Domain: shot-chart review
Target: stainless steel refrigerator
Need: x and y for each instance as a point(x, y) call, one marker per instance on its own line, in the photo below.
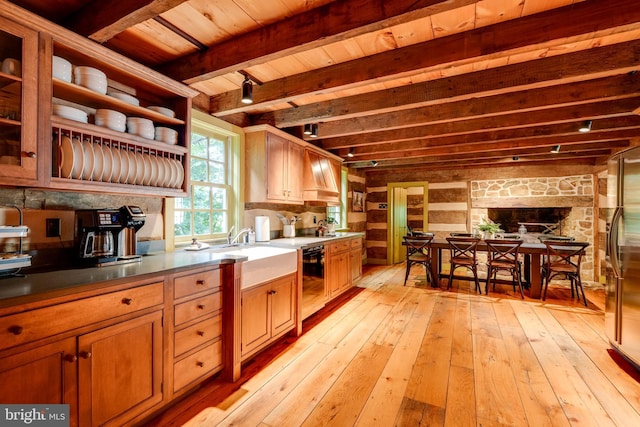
point(622, 304)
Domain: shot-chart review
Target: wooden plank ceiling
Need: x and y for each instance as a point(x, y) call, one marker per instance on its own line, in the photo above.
point(404, 83)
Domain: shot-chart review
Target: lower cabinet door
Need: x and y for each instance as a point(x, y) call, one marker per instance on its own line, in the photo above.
point(282, 305)
point(44, 375)
point(256, 318)
point(120, 371)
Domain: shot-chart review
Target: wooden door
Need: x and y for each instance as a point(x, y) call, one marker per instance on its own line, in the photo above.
point(276, 167)
point(120, 371)
point(282, 295)
point(46, 374)
point(256, 318)
point(295, 165)
point(398, 227)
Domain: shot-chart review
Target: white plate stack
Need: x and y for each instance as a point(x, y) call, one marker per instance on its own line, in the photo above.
point(70, 113)
point(111, 119)
point(61, 69)
point(91, 78)
point(140, 127)
point(167, 135)
point(129, 99)
point(163, 110)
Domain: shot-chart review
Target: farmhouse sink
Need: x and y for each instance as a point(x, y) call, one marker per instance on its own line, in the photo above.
point(264, 263)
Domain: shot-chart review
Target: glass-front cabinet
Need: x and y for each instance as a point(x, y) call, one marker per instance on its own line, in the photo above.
point(18, 104)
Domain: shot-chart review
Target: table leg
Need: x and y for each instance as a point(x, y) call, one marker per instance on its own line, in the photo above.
point(435, 264)
point(535, 276)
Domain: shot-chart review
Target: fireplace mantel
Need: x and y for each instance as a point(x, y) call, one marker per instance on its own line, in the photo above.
point(532, 202)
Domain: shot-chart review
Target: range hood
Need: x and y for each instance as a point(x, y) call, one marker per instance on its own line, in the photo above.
point(321, 178)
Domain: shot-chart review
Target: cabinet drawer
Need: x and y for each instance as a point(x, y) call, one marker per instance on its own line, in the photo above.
point(43, 322)
point(356, 243)
point(338, 247)
point(197, 307)
point(197, 365)
point(198, 334)
point(198, 282)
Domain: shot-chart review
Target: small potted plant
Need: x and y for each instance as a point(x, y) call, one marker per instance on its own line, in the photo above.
point(489, 228)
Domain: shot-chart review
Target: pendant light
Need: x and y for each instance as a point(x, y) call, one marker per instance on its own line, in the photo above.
point(555, 149)
point(586, 126)
point(247, 91)
point(307, 129)
point(314, 130)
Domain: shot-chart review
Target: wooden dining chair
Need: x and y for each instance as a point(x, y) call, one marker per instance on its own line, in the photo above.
point(463, 252)
point(419, 252)
point(502, 254)
point(564, 259)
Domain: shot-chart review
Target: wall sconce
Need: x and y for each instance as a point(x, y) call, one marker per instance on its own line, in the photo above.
point(314, 130)
point(351, 153)
point(247, 91)
point(586, 126)
point(374, 163)
point(555, 149)
point(307, 129)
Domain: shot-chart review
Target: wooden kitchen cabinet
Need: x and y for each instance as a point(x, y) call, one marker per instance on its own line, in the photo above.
point(267, 312)
point(43, 375)
point(337, 270)
point(274, 166)
point(107, 363)
point(355, 261)
point(19, 105)
point(120, 371)
point(197, 329)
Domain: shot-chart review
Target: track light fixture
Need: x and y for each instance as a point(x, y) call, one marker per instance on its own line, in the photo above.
point(307, 129)
point(374, 163)
point(351, 153)
point(555, 149)
point(314, 130)
point(515, 158)
point(247, 90)
point(586, 126)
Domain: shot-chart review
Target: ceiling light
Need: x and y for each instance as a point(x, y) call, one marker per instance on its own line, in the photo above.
point(307, 129)
point(351, 153)
point(514, 158)
point(555, 149)
point(374, 163)
point(314, 130)
point(247, 91)
point(586, 126)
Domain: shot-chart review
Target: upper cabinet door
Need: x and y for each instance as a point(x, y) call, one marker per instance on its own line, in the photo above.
point(18, 104)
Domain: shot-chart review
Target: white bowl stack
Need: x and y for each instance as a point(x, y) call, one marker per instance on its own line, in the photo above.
point(70, 113)
point(129, 99)
point(140, 127)
point(91, 78)
point(168, 135)
point(61, 69)
point(163, 110)
point(111, 119)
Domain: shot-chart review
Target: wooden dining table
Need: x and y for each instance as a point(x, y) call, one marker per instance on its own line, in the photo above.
point(532, 261)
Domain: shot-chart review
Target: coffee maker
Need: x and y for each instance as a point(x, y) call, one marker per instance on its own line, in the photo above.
point(108, 236)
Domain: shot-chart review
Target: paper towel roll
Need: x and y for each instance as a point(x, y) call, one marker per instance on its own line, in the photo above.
point(263, 229)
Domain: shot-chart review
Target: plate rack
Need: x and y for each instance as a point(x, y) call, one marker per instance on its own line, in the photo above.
point(11, 263)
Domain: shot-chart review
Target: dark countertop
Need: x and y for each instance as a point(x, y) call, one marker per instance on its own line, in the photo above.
point(40, 286)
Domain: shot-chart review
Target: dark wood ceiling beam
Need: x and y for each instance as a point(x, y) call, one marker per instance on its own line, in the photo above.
point(317, 27)
point(102, 20)
point(595, 63)
point(580, 93)
point(450, 146)
point(494, 135)
point(544, 30)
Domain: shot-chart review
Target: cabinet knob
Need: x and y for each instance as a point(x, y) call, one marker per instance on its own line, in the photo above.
point(200, 364)
point(16, 330)
point(272, 292)
point(71, 358)
point(200, 306)
point(29, 154)
point(200, 333)
point(201, 282)
point(85, 354)
point(127, 301)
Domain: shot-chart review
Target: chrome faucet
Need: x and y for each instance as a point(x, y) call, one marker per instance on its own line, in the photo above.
point(240, 233)
point(230, 233)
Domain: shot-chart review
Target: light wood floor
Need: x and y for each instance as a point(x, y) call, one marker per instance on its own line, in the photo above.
point(408, 356)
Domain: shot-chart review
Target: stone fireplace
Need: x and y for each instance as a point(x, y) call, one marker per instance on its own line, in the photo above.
point(566, 201)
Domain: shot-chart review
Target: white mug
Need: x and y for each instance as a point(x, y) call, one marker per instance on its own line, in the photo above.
point(12, 66)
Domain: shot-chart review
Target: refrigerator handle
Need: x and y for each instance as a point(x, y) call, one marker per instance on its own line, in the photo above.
point(612, 242)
